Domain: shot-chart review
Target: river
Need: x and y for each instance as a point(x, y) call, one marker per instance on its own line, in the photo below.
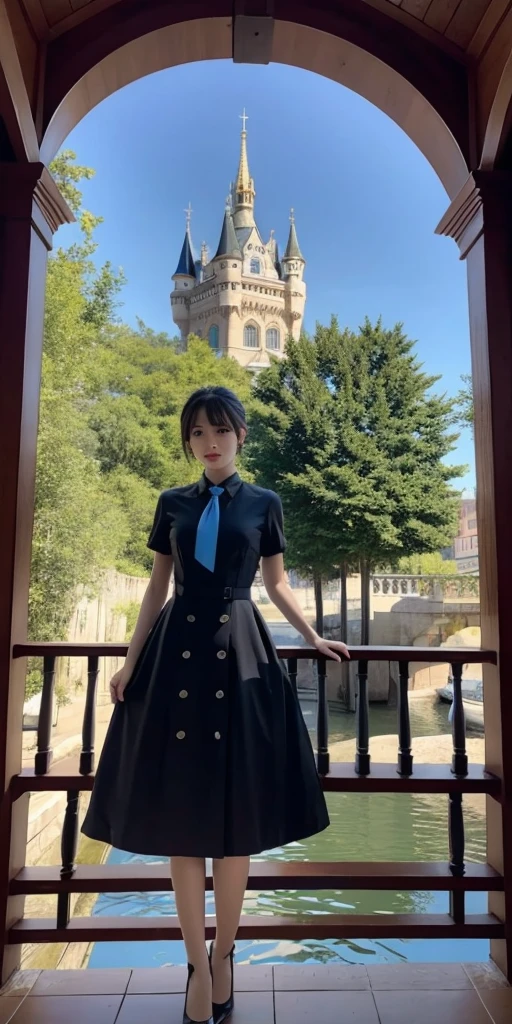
point(363, 827)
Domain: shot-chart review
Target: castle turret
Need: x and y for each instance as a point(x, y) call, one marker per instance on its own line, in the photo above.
point(185, 278)
point(243, 193)
point(293, 264)
point(228, 273)
point(228, 242)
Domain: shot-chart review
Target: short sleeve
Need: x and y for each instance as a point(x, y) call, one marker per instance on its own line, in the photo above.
point(159, 539)
point(272, 537)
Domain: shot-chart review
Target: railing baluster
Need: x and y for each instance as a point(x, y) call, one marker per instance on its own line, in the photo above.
point(404, 723)
point(68, 846)
point(457, 866)
point(460, 758)
point(292, 672)
point(44, 755)
point(362, 721)
point(322, 720)
point(88, 728)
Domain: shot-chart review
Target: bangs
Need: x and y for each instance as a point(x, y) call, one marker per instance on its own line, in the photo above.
point(217, 412)
point(221, 406)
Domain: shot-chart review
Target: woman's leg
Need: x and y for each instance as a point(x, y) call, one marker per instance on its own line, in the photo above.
point(188, 879)
point(229, 882)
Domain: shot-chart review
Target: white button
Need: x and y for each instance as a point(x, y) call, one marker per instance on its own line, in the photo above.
point(217, 735)
point(186, 654)
point(191, 618)
point(219, 694)
point(180, 735)
point(221, 655)
point(224, 618)
point(183, 693)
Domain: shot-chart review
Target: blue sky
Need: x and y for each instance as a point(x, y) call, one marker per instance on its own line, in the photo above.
point(366, 201)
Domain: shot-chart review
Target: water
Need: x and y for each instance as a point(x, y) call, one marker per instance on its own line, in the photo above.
point(363, 827)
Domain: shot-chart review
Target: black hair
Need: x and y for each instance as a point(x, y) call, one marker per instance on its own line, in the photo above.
point(222, 408)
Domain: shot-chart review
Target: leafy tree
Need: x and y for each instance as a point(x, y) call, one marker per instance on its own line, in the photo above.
point(427, 564)
point(359, 461)
point(137, 499)
point(393, 435)
point(77, 527)
point(135, 420)
point(465, 402)
point(292, 443)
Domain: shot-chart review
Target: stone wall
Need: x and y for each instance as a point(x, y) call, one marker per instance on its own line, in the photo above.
point(101, 619)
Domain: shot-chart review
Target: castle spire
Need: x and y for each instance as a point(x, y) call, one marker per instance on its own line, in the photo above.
point(228, 242)
point(292, 250)
point(186, 263)
point(244, 185)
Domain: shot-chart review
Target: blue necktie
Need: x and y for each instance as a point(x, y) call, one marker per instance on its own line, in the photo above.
point(207, 531)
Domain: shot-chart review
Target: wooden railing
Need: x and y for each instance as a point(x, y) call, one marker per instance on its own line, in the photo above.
point(73, 775)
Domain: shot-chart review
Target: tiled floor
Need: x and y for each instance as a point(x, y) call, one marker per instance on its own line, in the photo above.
point(344, 994)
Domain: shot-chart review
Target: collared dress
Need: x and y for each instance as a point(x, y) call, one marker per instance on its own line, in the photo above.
point(209, 755)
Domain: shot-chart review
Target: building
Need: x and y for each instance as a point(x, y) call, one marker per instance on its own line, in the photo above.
point(466, 542)
point(246, 300)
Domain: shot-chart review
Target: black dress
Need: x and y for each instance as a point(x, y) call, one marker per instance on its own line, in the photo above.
point(209, 755)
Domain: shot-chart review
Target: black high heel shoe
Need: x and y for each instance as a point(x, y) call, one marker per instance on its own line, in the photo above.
point(186, 1018)
point(221, 1011)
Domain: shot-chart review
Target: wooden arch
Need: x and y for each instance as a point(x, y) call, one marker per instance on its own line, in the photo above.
point(423, 99)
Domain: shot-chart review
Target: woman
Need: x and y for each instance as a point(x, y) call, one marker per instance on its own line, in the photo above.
point(207, 753)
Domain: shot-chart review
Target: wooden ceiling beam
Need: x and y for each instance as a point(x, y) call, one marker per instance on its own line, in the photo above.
point(488, 27)
point(403, 17)
point(494, 93)
point(90, 10)
point(16, 111)
point(36, 16)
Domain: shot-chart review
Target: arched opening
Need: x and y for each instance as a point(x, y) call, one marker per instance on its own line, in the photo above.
point(213, 336)
point(251, 336)
point(273, 338)
point(108, 68)
point(430, 112)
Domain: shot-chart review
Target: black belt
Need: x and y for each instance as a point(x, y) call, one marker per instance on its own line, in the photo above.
point(221, 593)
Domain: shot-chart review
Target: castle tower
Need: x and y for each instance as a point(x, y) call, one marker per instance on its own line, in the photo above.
point(244, 194)
point(295, 289)
point(245, 300)
point(185, 278)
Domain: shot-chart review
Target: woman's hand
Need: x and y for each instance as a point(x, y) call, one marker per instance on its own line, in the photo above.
point(118, 684)
point(332, 649)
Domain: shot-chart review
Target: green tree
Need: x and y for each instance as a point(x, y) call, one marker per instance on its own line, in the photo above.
point(395, 432)
point(361, 466)
point(135, 420)
point(427, 564)
point(465, 403)
point(292, 443)
point(77, 527)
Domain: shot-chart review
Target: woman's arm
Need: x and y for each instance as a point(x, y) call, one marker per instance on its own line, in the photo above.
point(281, 594)
point(151, 606)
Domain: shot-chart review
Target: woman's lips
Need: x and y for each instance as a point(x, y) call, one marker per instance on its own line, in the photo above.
point(212, 457)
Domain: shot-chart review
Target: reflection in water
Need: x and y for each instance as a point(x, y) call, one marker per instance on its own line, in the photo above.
point(363, 827)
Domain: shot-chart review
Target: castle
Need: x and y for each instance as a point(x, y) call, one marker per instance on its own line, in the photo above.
point(247, 299)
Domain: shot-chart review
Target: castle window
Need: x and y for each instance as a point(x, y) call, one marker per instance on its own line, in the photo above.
point(250, 336)
point(272, 339)
point(255, 266)
point(213, 336)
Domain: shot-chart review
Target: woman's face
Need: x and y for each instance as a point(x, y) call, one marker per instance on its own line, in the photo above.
point(214, 447)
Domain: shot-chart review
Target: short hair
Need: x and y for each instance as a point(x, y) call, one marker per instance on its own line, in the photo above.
point(222, 407)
